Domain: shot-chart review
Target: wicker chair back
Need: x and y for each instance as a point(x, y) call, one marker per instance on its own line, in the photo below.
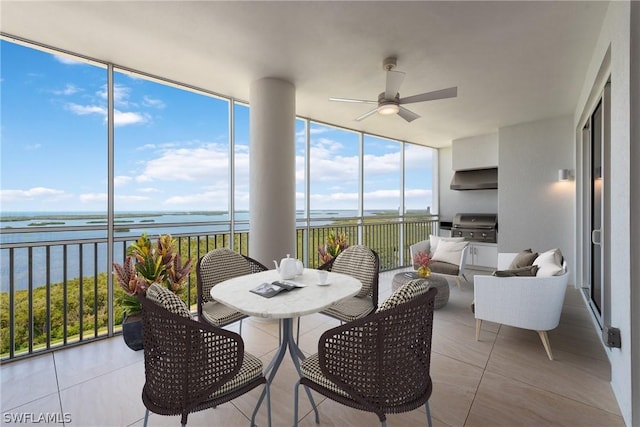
point(188, 363)
point(219, 265)
point(380, 363)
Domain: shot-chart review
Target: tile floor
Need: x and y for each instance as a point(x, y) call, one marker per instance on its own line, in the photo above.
point(505, 379)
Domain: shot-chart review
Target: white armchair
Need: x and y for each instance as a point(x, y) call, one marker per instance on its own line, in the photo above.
point(524, 302)
point(440, 267)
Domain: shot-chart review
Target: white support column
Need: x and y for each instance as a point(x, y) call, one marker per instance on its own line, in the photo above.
point(272, 203)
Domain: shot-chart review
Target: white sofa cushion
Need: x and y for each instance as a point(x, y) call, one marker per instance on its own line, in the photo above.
point(449, 251)
point(549, 263)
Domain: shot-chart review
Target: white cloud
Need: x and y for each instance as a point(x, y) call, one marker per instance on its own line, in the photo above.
point(323, 147)
point(121, 180)
point(334, 197)
point(67, 60)
point(32, 147)
point(120, 199)
point(30, 194)
point(149, 190)
point(119, 118)
point(93, 197)
point(203, 164)
point(120, 94)
point(83, 110)
point(381, 164)
point(317, 130)
point(314, 130)
point(155, 103)
point(69, 89)
point(122, 119)
point(146, 147)
point(417, 193)
point(382, 195)
point(216, 200)
point(330, 168)
point(417, 157)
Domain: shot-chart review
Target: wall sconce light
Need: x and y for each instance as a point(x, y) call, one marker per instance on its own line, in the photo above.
point(564, 174)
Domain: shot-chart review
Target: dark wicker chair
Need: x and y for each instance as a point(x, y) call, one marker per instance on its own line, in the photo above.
point(217, 266)
point(190, 366)
point(362, 263)
point(379, 363)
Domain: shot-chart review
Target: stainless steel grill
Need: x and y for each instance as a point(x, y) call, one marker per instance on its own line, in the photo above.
point(476, 227)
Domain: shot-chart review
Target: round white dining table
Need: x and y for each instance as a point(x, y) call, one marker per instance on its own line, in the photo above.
point(311, 298)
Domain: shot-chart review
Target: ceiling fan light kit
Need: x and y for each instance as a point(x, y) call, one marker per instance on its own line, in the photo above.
point(389, 101)
point(388, 109)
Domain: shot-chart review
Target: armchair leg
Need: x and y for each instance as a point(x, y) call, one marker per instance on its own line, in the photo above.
point(146, 418)
point(545, 342)
point(428, 413)
point(478, 324)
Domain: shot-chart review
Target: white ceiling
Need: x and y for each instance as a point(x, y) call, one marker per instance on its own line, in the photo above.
point(513, 62)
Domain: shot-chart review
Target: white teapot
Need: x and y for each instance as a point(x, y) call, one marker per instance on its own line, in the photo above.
point(288, 267)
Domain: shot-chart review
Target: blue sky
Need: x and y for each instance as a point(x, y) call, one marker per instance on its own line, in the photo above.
point(171, 146)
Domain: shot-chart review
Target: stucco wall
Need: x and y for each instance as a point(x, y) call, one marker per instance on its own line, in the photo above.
point(535, 209)
point(611, 56)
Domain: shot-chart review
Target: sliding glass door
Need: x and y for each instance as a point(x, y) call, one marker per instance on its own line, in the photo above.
point(595, 137)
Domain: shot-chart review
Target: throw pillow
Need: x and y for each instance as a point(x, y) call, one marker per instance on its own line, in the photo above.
point(167, 299)
point(549, 263)
point(530, 270)
point(405, 293)
point(434, 240)
point(448, 251)
point(523, 259)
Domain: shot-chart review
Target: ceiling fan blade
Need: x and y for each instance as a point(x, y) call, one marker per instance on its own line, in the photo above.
point(367, 114)
point(361, 101)
point(407, 114)
point(394, 80)
point(451, 92)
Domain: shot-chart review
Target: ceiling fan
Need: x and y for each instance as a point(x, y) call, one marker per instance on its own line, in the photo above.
point(389, 101)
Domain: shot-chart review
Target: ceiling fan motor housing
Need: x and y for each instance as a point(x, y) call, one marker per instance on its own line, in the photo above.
point(389, 63)
point(388, 106)
point(383, 100)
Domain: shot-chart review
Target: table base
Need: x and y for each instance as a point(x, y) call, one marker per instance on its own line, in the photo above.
point(288, 343)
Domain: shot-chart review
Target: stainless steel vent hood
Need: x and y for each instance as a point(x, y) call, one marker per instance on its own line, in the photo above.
point(476, 179)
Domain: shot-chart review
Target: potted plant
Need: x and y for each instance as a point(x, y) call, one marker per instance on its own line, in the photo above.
point(333, 246)
point(145, 264)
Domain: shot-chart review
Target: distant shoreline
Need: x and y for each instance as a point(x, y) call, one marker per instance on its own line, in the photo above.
point(11, 217)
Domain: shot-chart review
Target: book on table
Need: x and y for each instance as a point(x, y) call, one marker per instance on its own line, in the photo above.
point(268, 290)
